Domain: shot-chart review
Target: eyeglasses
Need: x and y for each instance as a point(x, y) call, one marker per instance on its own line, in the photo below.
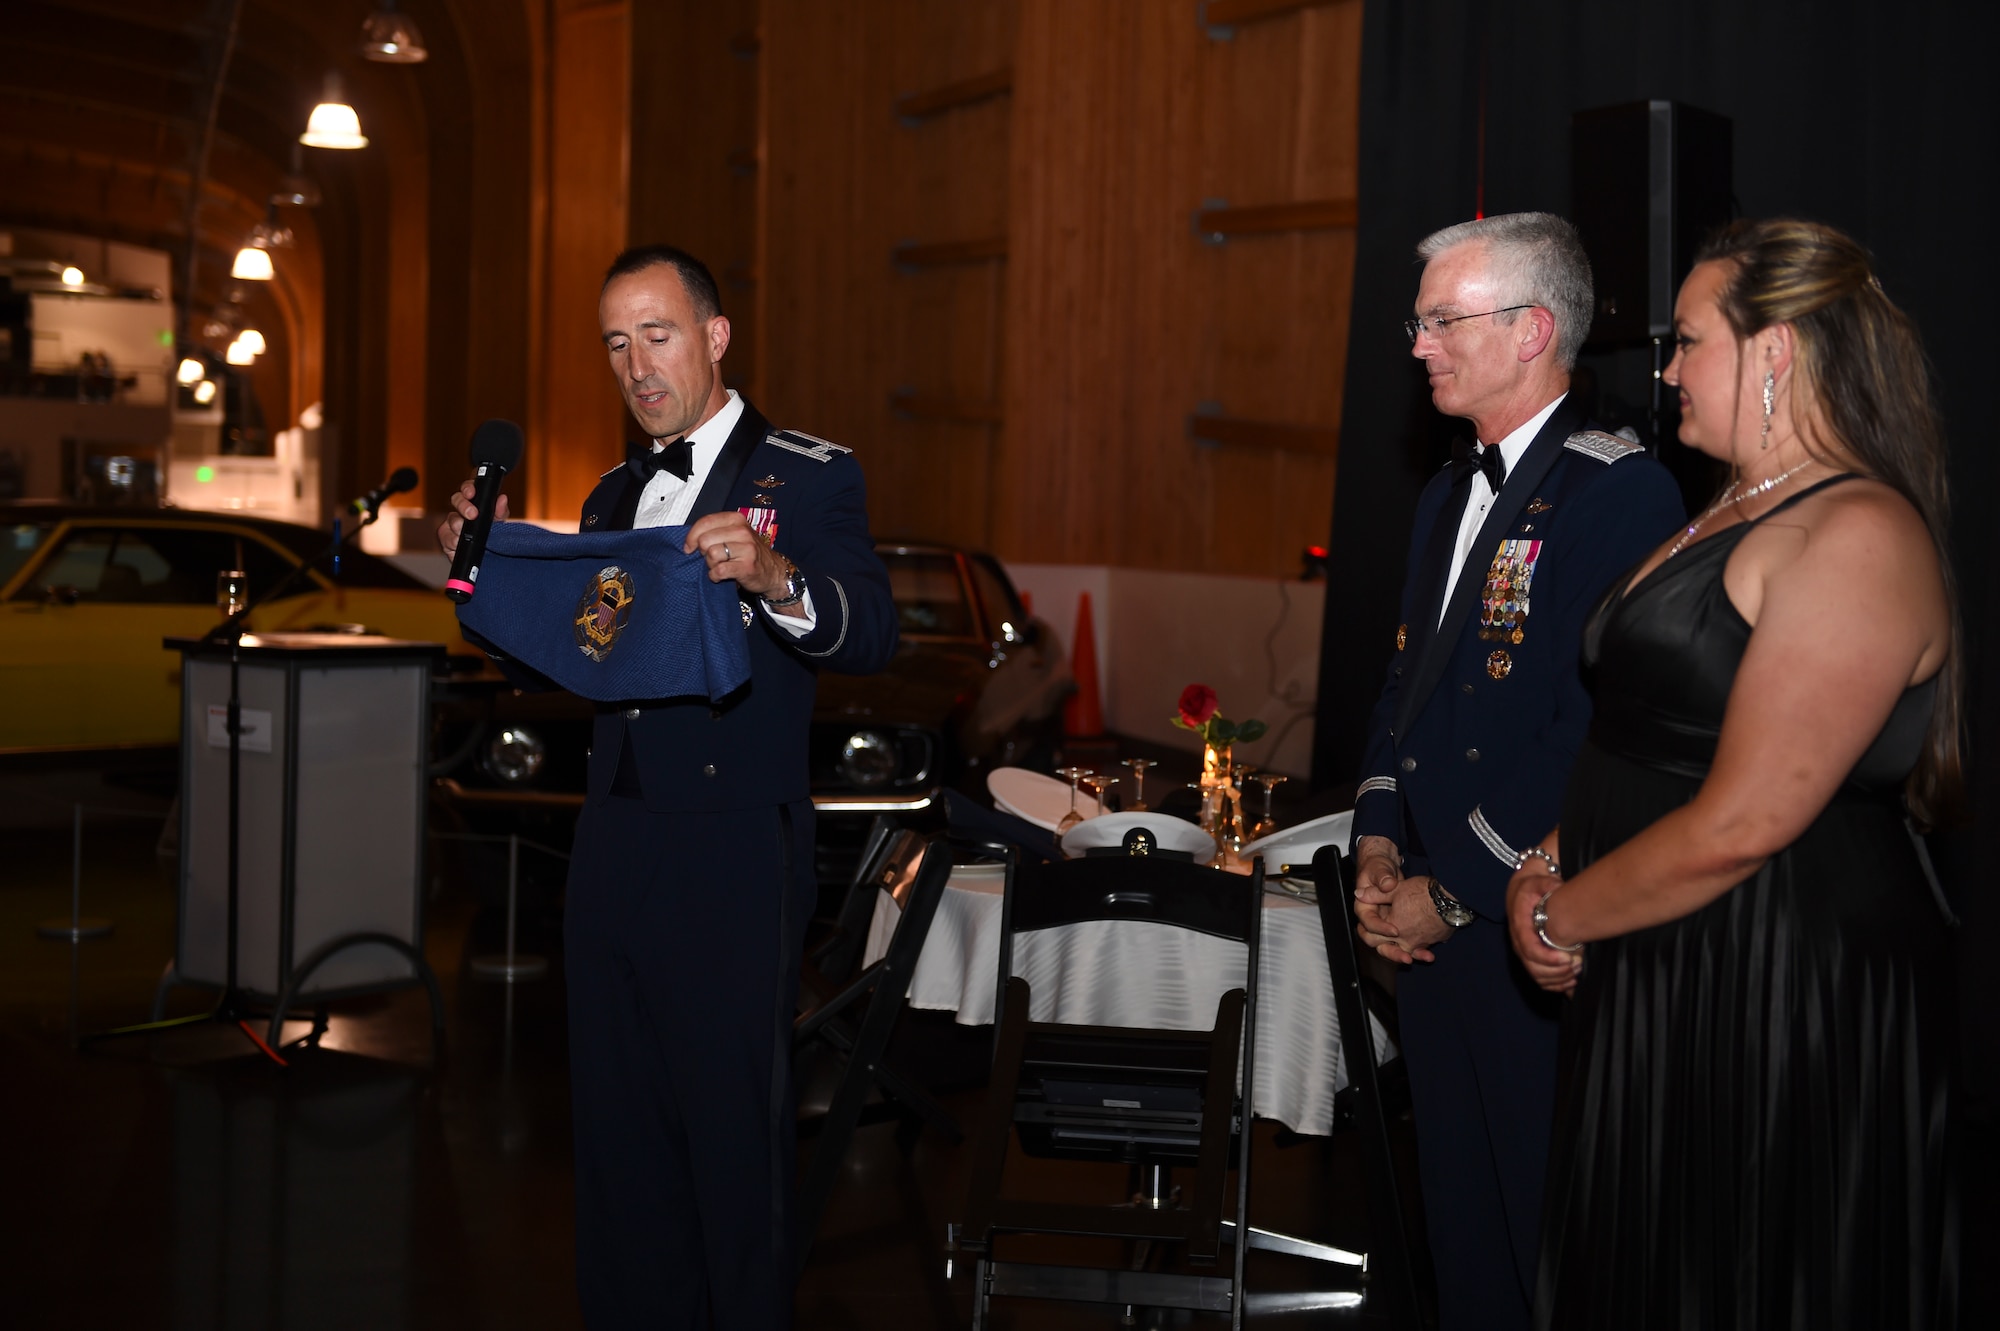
point(1437, 323)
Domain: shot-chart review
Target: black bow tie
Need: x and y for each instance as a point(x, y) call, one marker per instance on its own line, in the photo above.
point(677, 457)
point(1487, 461)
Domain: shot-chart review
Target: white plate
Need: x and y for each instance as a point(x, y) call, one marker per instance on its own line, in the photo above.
point(1110, 829)
point(1042, 800)
point(1295, 845)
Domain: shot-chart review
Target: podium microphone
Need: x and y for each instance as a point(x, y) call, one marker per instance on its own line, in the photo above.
point(496, 450)
point(403, 479)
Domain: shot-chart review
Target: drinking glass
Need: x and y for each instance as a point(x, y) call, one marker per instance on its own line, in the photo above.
point(1138, 766)
point(1074, 775)
point(1267, 824)
point(1098, 784)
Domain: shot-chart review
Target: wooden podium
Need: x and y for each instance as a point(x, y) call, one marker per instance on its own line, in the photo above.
point(334, 778)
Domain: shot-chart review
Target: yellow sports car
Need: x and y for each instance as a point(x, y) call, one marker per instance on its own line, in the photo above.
point(87, 595)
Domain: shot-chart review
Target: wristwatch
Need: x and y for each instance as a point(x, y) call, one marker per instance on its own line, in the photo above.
point(1449, 909)
point(795, 588)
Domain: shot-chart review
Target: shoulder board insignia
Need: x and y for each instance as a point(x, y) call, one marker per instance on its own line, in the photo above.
point(819, 450)
point(1604, 447)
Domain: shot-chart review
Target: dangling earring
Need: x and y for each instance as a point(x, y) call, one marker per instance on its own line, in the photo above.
point(1770, 401)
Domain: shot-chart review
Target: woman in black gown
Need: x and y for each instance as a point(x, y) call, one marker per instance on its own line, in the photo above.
point(1752, 1121)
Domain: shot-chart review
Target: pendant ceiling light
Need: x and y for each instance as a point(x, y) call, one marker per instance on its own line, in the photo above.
point(392, 37)
point(191, 371)
point(333, 123)
point(239, 353)
point(252, 265)
point(252, 339)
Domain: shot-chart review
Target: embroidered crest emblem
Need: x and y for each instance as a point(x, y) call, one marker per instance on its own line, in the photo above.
point(1503, 604)
point(602, 611)
point(1402, 636)
point(1499, 665)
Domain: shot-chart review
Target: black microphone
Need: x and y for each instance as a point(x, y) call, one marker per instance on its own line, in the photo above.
point(404, 479)
point(496, 450)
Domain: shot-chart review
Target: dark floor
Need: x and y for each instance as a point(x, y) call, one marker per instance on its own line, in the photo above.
point(181, 1180)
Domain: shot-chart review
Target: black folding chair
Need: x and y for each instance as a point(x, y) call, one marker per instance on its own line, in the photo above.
point(1391, 1276)
point(858, 1031)
point(889, 856)
point(1150, 1098)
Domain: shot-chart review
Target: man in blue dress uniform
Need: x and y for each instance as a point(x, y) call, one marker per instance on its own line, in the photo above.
point(691, 880)
point(1479, 720)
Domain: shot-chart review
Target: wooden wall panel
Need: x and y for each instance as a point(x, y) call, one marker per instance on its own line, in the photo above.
point(696, 153)
point(844, 329)
point(579, 422)
point(1121, 321)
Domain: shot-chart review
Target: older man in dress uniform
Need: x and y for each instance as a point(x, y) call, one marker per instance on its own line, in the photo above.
point(691, 881)
point(1479, 721)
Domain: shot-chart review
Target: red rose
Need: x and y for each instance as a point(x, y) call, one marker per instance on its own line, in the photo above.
point(1198, 703)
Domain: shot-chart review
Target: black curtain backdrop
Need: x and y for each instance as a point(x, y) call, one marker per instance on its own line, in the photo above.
point(1878, 117)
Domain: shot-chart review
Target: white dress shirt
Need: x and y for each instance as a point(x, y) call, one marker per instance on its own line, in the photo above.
point(667, 499)
point(1512, 449)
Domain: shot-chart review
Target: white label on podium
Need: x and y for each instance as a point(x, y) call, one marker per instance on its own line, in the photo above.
point(256, 728)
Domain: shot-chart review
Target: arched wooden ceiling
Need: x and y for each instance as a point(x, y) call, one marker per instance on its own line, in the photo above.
point(101, 108)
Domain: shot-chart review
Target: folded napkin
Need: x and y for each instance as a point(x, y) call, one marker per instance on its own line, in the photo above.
point(611, 616)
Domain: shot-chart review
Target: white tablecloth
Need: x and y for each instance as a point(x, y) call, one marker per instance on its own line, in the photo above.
point(1143, 974)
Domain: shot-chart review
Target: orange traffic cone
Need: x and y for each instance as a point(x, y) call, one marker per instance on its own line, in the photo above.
point(1083, 715)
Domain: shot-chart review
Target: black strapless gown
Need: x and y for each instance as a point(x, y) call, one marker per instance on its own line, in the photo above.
point(1752, 1115)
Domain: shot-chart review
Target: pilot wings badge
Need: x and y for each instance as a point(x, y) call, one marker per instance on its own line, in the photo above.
point(602, 611)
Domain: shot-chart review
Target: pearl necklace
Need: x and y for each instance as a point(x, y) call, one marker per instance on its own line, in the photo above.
point(1729, 497)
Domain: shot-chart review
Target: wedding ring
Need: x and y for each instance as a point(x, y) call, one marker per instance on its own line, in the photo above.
point(725, 552)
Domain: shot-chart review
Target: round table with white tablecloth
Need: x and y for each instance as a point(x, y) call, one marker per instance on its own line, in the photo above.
point(1138, 973)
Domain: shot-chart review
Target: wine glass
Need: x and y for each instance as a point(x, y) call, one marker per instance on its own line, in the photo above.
point(1098, 783)
point(1267, 824)
point(1074, 775)
point(1138, 766)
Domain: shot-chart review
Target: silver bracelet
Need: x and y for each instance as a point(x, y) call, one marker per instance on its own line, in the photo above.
point(1541, 920)
point(1521, 860)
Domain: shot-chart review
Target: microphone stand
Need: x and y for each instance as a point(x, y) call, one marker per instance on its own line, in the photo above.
point(231, 1008)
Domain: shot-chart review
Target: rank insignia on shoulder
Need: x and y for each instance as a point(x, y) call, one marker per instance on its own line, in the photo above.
point(1402, 636)
point(1499, 665)
point(603, 611)
point(806, 445)
point(1604, 447)
point(1539, 505)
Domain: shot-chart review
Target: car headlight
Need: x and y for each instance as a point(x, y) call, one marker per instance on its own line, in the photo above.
point(869, 759)
point(515, 754)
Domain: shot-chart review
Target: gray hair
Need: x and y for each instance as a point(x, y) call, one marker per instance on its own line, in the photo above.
point(1535, 259)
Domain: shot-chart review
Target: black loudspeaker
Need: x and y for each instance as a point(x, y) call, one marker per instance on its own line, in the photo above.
point(1648, 180)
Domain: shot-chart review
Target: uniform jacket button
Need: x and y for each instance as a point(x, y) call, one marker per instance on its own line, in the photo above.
point(708, 770)
point(631, 714)
point(1472, 755)
point(1409, 764)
